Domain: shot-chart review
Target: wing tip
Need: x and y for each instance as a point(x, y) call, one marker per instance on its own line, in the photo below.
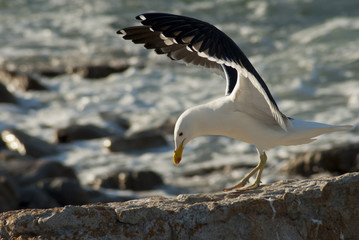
point(141, 17)
point(121, 31)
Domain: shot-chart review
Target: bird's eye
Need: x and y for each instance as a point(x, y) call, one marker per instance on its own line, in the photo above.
point(180, 134)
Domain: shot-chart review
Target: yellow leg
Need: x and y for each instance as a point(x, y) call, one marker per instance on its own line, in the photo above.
point(244, 181)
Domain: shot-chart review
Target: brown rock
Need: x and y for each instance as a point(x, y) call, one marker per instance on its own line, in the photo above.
point(137, 141)
point(326, 208)
point(338, 160)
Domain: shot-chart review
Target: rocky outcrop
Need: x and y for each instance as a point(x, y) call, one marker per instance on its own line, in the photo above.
point(326, 208)
point(337, 160)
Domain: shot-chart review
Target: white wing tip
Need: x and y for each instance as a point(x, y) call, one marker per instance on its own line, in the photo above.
point(142, 17)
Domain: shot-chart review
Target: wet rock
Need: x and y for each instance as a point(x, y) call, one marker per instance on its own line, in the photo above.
point(41, 170)
point(325, 208)
point(20, 80)
point(338, 160)
point(51, 72)
point(136, 142)
point(6, 96)
point(34, 197)
point(104, 197)
point(97, 71)
point(7, 155)
point(9, 193)
point(25, 144)
point(133, 180)
point(30, 172)
point(81, 132)
point(66, 191)
point(168, 125)
point(115, 118)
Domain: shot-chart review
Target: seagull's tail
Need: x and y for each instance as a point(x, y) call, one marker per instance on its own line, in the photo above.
point(302, 132)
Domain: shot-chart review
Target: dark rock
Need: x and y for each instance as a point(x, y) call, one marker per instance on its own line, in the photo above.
point(9, 193)
point(81, 132)
point(20, 80)
point(137, 141)
point(321, 209)
point(66, 191)
point(30, 172)
point(98, 71)
point(51, 71)
point(7, 155)
point(168, 125)
point(34, 197)
point(6, 96)
point(25, 144)
point(338, 160)
point(134, 180)
point(103, 197)
point(116, 119)
point(141, 180)
point(41, 170)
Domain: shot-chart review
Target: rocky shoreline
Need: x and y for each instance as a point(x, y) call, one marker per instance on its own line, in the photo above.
point(28, 181)
point(323, 208)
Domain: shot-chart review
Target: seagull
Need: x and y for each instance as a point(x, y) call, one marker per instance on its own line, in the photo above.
point(247, 112)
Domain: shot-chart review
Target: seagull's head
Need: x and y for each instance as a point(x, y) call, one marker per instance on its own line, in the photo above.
point(187, 128)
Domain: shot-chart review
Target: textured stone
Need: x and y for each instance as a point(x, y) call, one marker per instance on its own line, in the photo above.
point(326, 208)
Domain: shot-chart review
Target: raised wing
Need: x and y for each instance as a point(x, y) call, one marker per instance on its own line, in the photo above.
point(200, 43)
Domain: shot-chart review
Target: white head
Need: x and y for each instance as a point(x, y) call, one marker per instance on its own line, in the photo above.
point(188, 127)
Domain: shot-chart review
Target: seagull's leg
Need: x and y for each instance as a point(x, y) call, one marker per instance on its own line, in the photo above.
point(244, 181)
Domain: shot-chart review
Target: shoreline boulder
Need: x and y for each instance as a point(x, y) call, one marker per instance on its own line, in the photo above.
point(324, 208)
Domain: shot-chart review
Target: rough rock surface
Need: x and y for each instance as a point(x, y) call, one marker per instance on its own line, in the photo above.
point(326, 208)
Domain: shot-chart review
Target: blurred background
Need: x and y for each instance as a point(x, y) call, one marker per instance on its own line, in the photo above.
point(86, 116)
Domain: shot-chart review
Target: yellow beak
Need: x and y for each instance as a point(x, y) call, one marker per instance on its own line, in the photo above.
point(178, 154)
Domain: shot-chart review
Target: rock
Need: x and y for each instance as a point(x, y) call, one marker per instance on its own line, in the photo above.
point(7, 155)
point(42, 170)
point(31, 172)
point(168, 125)
point(34, 197)
point(9, 193)
point(6, 96)
point(326, 208)
point(97, 71)
point(337, 160)
point(138, 141)
point(81, 132)
point(25, 144)
point(115, 118)
point(66, 191)
point(134, 180)
point(21, 80)
point(104, 197)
